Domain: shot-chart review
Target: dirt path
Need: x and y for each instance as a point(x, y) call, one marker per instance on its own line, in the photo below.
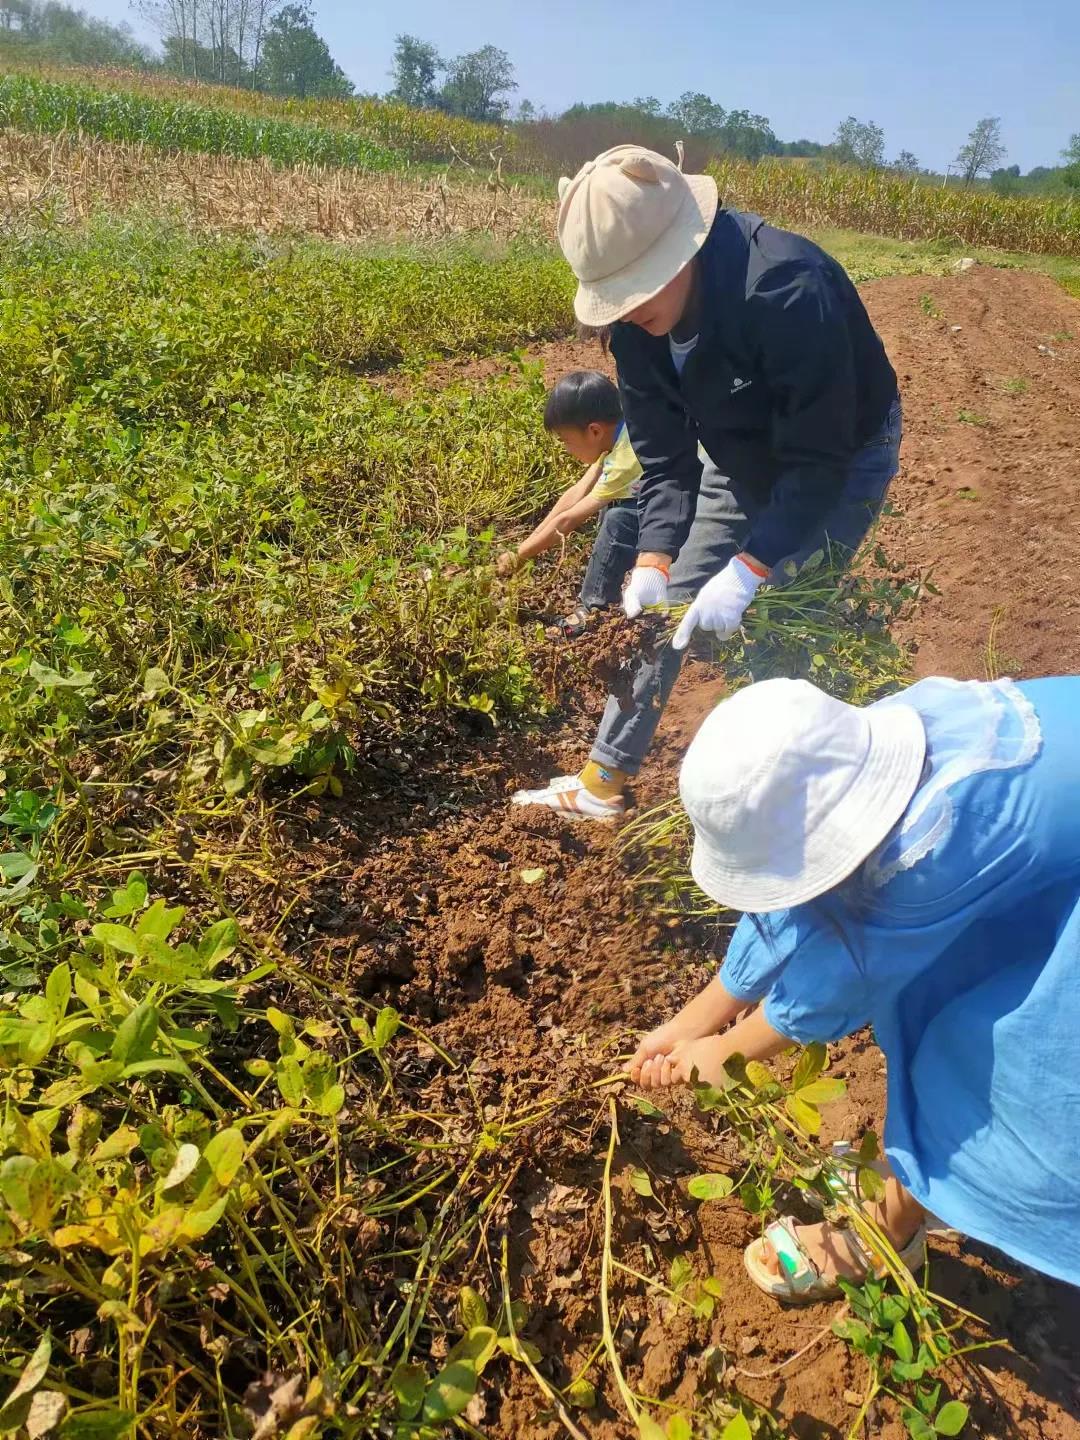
point(540, 982)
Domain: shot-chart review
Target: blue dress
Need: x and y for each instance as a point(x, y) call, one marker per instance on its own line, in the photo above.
point(963, 952)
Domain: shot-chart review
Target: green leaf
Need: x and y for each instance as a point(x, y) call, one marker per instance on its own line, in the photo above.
point(900, 1343)
point(640, 1183)
point(17, 1404)
point(823, 1092)
point(236, 771)
point(332, 1101)
point(759, 1075)
point(868, 1148)
point(581, 1394)
point(118, 937)
point(648, 1429)
point(805, 1116)
point(155, 1065)
point(136, 1034)
point(225, 1154)
point(408, 1382)
point(951, 1418)
point(105, 1424)
point(121, 1142)
point(387, 1023)
point(737, 1428)
point(154, 681)
point(919, 1428)
point(853, 1331)
point(58, 990)
point(472, 1308)
point(159, 921)
point(197, 1223)
point(533, 877)
point(290, 1082)
point(871, 1184)
point(450, 1392)
point(710, 1186)
point(901, 1370)
point(218, 942)
point(475, 1349)
point(126, 901)
point(678, 1427)
point(809, 1066)
point(682, 1272)
point(712, 1286)
point(645, 1107)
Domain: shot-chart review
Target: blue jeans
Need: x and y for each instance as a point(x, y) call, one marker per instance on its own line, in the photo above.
point(613, 554)
point(722, 524)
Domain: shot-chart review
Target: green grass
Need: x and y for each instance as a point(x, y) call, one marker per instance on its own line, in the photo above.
point(873, 257)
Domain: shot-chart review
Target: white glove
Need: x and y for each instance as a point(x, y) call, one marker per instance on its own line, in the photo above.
point(720, 603)
point(647, 586)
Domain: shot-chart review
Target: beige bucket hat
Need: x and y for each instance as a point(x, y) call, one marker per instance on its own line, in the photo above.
point(628, 222)
point(790, 790)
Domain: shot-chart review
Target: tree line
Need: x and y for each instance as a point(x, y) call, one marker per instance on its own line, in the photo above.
point(267, 45)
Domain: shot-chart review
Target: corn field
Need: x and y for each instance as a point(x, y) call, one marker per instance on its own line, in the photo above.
point(53, 108)
point(887, 204)
point(67, 179)
point(414, 135)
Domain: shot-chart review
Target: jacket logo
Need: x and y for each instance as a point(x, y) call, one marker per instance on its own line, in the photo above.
point(740, 385)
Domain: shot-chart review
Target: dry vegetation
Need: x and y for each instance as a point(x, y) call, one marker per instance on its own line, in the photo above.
point(65, 178)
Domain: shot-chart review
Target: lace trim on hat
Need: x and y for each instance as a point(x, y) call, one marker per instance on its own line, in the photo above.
point(996, 728)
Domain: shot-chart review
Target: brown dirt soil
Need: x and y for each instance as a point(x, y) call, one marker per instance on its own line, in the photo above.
point(524, 947)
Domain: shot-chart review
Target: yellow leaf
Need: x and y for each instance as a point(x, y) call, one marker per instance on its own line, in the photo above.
point(533, 877)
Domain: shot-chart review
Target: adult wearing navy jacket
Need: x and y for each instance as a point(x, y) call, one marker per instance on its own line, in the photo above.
point(752, 344)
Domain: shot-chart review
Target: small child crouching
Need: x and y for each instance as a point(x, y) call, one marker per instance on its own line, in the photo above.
point(583, 409)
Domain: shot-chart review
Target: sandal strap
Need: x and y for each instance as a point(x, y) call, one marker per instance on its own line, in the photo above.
point(783, 1236)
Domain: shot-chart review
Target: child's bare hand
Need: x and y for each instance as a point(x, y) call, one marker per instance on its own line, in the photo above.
point(506, 564)
point(657, 1042)
point(677, 1065)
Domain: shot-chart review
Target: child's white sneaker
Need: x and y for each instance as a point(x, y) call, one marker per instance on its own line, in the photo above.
point(567, 796)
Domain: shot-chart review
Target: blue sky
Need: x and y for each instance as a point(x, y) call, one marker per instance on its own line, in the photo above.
point(925, 70)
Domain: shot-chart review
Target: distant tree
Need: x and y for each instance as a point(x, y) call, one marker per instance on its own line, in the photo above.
point(526, 113)
point(416, 63)
point(297, 60)
point(906, 162)
point(859, 142)
point(1071, 156)
point(647, 104)
point(750, 136)
point(984, 150)
point(478, 84)
point(1007, 181)
point(58, 32)
point(697, 114)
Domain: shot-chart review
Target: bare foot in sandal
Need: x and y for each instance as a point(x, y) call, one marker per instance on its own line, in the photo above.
point(815, 1257)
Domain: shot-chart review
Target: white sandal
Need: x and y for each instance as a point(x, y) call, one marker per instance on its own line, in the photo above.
point(800, 1282)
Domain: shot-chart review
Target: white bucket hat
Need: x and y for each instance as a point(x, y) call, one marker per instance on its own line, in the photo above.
point(789, 790)
point(629, 221)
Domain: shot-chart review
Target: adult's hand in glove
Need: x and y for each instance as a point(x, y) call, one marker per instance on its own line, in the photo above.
point(646, 587)
point(720, 603)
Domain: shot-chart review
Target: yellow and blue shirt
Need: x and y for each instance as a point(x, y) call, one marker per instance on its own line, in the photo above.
point(620, 477)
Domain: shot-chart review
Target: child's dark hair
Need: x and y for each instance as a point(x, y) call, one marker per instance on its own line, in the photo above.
point(584, 397)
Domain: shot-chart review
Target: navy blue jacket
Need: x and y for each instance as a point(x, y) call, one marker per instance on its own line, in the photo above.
point(787, 381)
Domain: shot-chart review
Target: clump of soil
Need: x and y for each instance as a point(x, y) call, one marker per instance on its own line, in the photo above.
point(604, 659)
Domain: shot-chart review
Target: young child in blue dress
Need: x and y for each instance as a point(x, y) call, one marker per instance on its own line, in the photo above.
point(914, 866)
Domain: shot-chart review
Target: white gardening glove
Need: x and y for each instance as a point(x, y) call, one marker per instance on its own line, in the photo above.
point(720, 603)
point(647, 586)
